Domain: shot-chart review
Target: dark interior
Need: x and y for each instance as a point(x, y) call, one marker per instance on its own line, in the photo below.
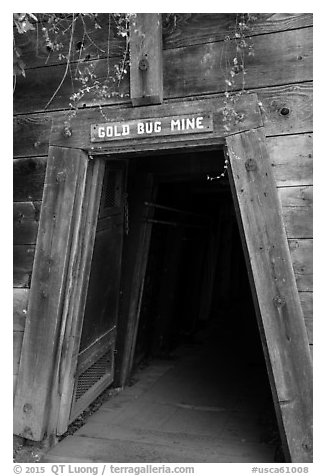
point(197, 291)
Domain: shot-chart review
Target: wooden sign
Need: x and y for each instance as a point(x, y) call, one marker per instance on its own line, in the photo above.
point(160, 126)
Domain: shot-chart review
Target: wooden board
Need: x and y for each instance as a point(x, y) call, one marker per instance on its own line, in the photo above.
point(134, 262)
point(20, 299)
point(40, 350)
point(35, 128)
point(280, 58)
point(301, 254)
point(28, 179)
point(33, 92)
point(23, 258)
point(246, 106)
point(198, 28)
point(291, 158)
point(279, 312)
point(87, 46)
point(146, 61)
point(31, 134)
point(297, 98)
point(297, 211)
point(17, 341)
point(26, 218)
point(188, 29)
point(306, 298)
point(76, 300)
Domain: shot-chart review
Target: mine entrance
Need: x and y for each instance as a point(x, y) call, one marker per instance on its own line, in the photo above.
point(196, 309)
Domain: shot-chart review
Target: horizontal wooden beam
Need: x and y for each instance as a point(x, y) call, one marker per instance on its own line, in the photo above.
point(80, 129)
point(32, 131)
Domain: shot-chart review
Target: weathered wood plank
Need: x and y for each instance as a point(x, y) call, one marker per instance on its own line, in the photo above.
point(20, 300)
point(88, 46)
point(306, 298)
point(33, 92)
point(75, 302)
point(301, 253)
point(197, 28)
point(65, 178)
point(23, 258)
point(17, 340)
point(26, 218)
point(134, 262)
point(280, 58)
point(188, 29)
point(309, 327)
point(31, 134)
point(35, 128)
point(291, 158)
point(297, 211)
point(287, 109)
point(28, 179)
point(146, 61)
point(80, 125)
point(280, 316)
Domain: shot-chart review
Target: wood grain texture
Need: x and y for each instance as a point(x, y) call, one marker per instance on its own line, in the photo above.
point(188, 29)
point(23, 258)
point(292, 159)
point(31, 134)
point(280, 316)
point(297, 98)
point(64, 179)
point(25, 217)
point(198, 28)
point(33, 92)
point(297, 211)
point(134, 263)
point(80, 125)
point(28, 179)
point(35, 128)
point(306, 298)
point(302, 260)
point(20, 300)
point(280, 58)
point(75, 301)
point(17, 340)
point(146, 84)
point(84, 46)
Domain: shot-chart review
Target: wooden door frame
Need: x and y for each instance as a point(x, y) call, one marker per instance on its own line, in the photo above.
point(49, 344)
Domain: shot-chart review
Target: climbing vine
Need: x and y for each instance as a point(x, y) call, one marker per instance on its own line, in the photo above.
point(238, 46)
point(79, 40)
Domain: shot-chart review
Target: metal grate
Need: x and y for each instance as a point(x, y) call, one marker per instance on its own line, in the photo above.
point(112, 195)
point(93, 374)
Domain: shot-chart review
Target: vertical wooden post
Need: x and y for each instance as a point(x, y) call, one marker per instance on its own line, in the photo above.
point(280, 317)
point(146, 73)
point(45, 323)
point(134, 263)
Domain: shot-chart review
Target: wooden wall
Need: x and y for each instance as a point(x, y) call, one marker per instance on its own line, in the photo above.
point(280, 73)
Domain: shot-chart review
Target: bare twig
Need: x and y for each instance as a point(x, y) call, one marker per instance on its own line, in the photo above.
point(67, 65)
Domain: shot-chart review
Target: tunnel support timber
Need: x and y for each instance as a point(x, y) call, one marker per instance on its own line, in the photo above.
point(278, 308)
